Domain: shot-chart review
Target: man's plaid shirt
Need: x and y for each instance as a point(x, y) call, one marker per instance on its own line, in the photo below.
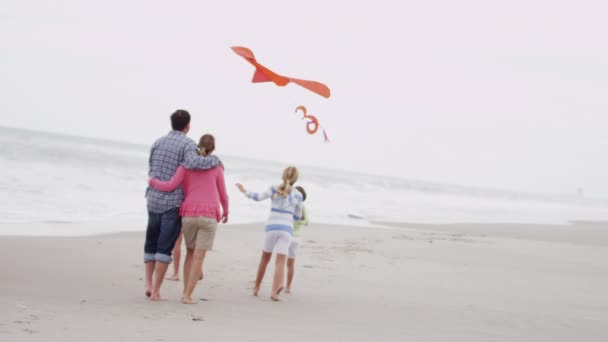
point(166, 155)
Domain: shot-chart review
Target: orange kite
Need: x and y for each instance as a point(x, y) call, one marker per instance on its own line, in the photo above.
point(313, 121)
point(263, 74)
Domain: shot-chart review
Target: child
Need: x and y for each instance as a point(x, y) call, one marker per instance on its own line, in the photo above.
point(177, 255)
point(286, 206)
point(295, 241)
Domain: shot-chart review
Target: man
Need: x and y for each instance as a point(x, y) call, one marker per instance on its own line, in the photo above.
point(164, 222)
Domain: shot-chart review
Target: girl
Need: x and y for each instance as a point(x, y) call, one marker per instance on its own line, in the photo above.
point(204, 190)
point(286, 206)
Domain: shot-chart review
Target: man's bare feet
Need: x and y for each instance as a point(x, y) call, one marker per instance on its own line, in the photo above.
point(188, 300)
point(174, 277)
point(148, 293)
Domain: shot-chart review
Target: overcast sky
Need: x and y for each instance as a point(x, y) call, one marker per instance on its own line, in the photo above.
point(507, 94)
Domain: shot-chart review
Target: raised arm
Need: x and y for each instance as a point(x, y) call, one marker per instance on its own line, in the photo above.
point(257, 196)
point(221, 187)
point(194, 161)
point(170, 185)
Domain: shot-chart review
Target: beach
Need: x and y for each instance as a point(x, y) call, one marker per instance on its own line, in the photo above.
point(444, 159)
point(388, 282)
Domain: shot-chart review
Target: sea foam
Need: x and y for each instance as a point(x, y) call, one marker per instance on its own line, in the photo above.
point(51, 178)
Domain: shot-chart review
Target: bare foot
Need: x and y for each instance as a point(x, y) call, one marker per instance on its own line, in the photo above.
point(275, 297)
point(256, 290)
point(188, 300)
point(173, 277)
point(156, 297)
point(148, 291)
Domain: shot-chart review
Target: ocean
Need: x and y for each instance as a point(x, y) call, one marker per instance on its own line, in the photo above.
point(61, 179)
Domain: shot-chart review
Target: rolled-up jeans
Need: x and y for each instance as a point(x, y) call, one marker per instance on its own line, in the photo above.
point(161, 234)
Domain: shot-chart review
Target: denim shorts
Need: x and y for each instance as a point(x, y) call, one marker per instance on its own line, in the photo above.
point(163, 230)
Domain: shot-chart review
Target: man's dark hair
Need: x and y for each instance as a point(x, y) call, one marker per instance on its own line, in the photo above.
point(301, 190)
point(180, 119)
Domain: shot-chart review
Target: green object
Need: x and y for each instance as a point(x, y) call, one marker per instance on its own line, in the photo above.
point(297, 225)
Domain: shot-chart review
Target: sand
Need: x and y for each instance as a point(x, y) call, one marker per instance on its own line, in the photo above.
point(394, 282)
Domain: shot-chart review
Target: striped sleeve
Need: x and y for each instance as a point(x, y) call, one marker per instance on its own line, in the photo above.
point(261, 195)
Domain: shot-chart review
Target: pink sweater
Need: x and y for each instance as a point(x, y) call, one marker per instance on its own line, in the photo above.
point(204, 190)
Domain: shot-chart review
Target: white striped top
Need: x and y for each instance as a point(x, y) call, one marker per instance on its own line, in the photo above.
point(283, 210)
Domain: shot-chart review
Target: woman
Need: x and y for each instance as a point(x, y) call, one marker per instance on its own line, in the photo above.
point(204, 191)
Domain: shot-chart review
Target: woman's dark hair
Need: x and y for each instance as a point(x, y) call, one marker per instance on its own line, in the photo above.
point(206, 144)
point(301, 190)
point(180, 119)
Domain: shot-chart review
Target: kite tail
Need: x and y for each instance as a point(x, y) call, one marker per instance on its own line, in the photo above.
point(325, 137)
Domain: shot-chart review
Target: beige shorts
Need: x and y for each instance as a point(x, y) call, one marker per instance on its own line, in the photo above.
point(199, 232)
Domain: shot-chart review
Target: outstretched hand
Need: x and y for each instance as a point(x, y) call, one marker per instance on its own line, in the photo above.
point(240, 187)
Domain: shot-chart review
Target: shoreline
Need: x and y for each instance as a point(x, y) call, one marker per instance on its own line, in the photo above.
point(132, 224)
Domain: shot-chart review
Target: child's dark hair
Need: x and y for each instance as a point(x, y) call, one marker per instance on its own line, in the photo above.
point(302, 191)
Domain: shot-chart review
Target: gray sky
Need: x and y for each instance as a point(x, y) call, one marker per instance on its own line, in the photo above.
point(509, 94)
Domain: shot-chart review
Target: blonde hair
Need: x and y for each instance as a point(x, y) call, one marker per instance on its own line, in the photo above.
point(206, 145)
point(290, 176)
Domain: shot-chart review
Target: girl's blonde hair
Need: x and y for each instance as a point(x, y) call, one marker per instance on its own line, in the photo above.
point(206, 145)
point(290, 176)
